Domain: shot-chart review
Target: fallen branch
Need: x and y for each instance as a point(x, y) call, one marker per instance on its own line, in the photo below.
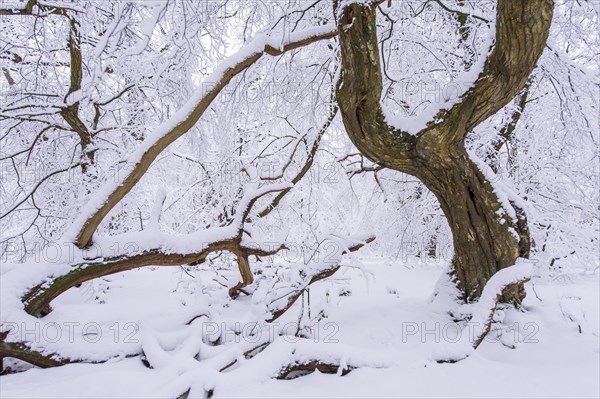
point(37, 299)
point(20, 351)
point(300, 369)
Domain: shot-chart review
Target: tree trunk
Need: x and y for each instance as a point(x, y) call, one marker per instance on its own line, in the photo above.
point(485, 238)
point(488, 235)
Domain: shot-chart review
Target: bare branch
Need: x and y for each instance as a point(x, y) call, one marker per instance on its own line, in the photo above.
point(184, 120)
point(32, 192)
point(305, 168)
point(323, 274)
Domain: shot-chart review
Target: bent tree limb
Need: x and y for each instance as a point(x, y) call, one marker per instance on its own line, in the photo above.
point(245, 271)
point(242, 256)
point(100, 205)
point(37, 300)
point(488, 235)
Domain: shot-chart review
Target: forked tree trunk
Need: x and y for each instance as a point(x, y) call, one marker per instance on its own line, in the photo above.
point(487, 235)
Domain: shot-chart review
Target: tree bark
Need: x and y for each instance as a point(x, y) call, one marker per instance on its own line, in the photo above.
point(37, 300)
point(486, 237)
point(245, 272)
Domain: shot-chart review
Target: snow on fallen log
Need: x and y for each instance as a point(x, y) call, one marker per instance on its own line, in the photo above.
point(480, 314)
point(26, 290)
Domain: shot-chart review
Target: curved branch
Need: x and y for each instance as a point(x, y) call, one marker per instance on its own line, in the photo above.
point(184, 120)
point(18, 350)
point(246, 273)
point(37, 300)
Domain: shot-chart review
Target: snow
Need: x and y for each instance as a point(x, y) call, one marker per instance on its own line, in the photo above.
point(17, 281)
point(147, 27)
point(398, 327)
point(521, 271)
point(416, 123)
point(386, 328)
point(502, 188)
point(183, 114)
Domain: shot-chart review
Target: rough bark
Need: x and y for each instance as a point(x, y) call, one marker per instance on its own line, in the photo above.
point(486, 239)
point(70, 113)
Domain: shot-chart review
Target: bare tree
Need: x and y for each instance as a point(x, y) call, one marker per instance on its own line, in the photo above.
point(488, 234)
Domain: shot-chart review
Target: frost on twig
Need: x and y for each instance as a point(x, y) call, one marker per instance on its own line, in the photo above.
point(316, 272)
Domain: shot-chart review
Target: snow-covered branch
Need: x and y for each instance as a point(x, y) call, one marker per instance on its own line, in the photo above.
point(112, 192)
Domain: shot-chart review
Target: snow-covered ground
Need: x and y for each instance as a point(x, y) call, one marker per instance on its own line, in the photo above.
point(377, 316)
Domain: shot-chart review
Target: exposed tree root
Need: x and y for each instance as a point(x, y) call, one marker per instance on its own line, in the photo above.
point(510, 289)
point(20, 351)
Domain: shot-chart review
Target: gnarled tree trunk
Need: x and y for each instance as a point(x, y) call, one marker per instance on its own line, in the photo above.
point(487, 236)
point(485, 240)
